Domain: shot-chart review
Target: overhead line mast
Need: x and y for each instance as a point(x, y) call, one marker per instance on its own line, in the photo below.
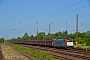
point(37, 30)
point(77, 27)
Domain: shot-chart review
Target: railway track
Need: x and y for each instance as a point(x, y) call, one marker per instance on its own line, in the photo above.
point(80, 51)
point(74, 54)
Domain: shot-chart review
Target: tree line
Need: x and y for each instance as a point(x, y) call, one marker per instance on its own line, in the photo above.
point(83, 38)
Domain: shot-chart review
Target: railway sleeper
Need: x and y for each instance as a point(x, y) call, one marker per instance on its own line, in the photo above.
point(79, 56)
point(60, 57)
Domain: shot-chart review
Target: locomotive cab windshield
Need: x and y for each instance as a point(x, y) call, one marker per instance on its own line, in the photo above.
point(69, 41)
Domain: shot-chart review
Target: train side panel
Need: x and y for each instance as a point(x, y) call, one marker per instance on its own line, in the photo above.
point(59, 43)
point(49, 42)
point(41, 42)
point(63, 43)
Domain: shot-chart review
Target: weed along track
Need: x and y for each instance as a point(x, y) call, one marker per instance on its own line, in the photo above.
point(73, 54)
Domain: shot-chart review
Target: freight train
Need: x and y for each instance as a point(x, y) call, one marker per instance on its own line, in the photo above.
point(59, 43)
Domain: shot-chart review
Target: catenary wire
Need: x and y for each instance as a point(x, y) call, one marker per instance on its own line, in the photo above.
point(56, 12)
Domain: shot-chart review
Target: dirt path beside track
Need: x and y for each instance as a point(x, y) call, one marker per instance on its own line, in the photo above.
point(11, 54)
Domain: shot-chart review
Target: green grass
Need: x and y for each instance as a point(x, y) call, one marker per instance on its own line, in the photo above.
point(82, 46)
point(25, 50)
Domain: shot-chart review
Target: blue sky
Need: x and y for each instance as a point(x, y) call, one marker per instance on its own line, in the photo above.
point(44, 12)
